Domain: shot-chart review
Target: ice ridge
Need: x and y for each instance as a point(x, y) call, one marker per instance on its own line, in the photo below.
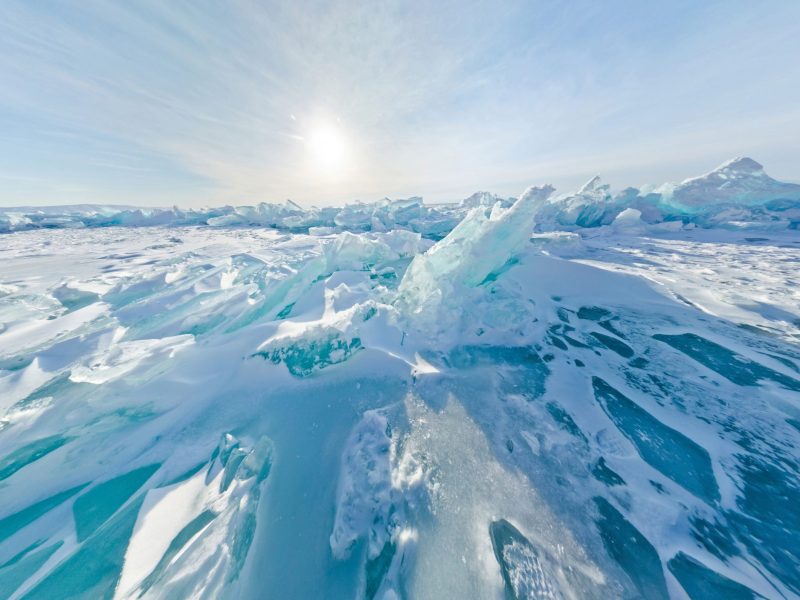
point(737, 194)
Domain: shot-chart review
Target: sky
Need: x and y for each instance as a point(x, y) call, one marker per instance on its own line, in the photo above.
point(197, 103)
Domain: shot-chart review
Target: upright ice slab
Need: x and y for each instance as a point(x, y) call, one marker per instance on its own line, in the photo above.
point(481, 244)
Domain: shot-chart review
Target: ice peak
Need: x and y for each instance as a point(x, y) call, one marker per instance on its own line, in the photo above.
point(479, 199)
point(740, 164)
point(292, 204)
point(593, 185)
point(739, 181)
point(736, 168)
point(741, 167)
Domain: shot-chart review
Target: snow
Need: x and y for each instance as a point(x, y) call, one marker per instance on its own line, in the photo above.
point(583, 396)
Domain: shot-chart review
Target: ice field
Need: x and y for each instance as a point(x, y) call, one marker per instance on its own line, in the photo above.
point(577, 396)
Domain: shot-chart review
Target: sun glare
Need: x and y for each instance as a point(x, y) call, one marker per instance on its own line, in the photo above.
point(328, 149)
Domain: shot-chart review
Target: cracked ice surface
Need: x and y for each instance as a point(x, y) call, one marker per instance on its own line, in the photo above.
point(223, 412)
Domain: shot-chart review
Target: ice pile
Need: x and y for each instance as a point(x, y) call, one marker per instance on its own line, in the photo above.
point(350, 409)
point(411, 214)
point(738, 194)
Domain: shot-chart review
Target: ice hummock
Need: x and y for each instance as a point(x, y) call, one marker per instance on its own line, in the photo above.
point(590, 206)
point(740, 181)
point(607, 409)
point(737, 194)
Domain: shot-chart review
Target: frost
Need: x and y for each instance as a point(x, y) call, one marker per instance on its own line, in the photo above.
point(374, 491)
point(365, 506)
point(524, 574)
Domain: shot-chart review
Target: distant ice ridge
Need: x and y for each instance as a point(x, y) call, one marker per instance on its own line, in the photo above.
point(736, 194)
point(411, 214)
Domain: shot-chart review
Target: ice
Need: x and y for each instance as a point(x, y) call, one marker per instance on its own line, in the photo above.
point(675, 455)
point(365, 494)
point(718, 358)
point(31, 452)
point(701, 582)
point(483, 242)
point(738, 194)
point(13, 523)
point(486, 199)
point(122, 357)
point(614, 344)
point(637, 557)
point(410, 214)
point(377, 487)
point(93, 569)
point(629, 220)
point(98, 504)
point(523, 573)
point(303, 357)
point(592, 395)
point(738, 181)
point(20, 568)
point(165, 548)
point(590, 206)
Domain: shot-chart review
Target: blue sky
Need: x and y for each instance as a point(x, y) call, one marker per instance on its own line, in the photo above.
point(202, 103)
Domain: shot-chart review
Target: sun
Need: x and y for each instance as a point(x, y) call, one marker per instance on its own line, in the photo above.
point(328, 148)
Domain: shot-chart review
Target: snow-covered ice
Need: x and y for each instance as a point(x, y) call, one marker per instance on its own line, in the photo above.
point(591, 395)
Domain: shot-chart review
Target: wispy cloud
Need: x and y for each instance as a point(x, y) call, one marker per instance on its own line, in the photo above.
point(202, 102)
